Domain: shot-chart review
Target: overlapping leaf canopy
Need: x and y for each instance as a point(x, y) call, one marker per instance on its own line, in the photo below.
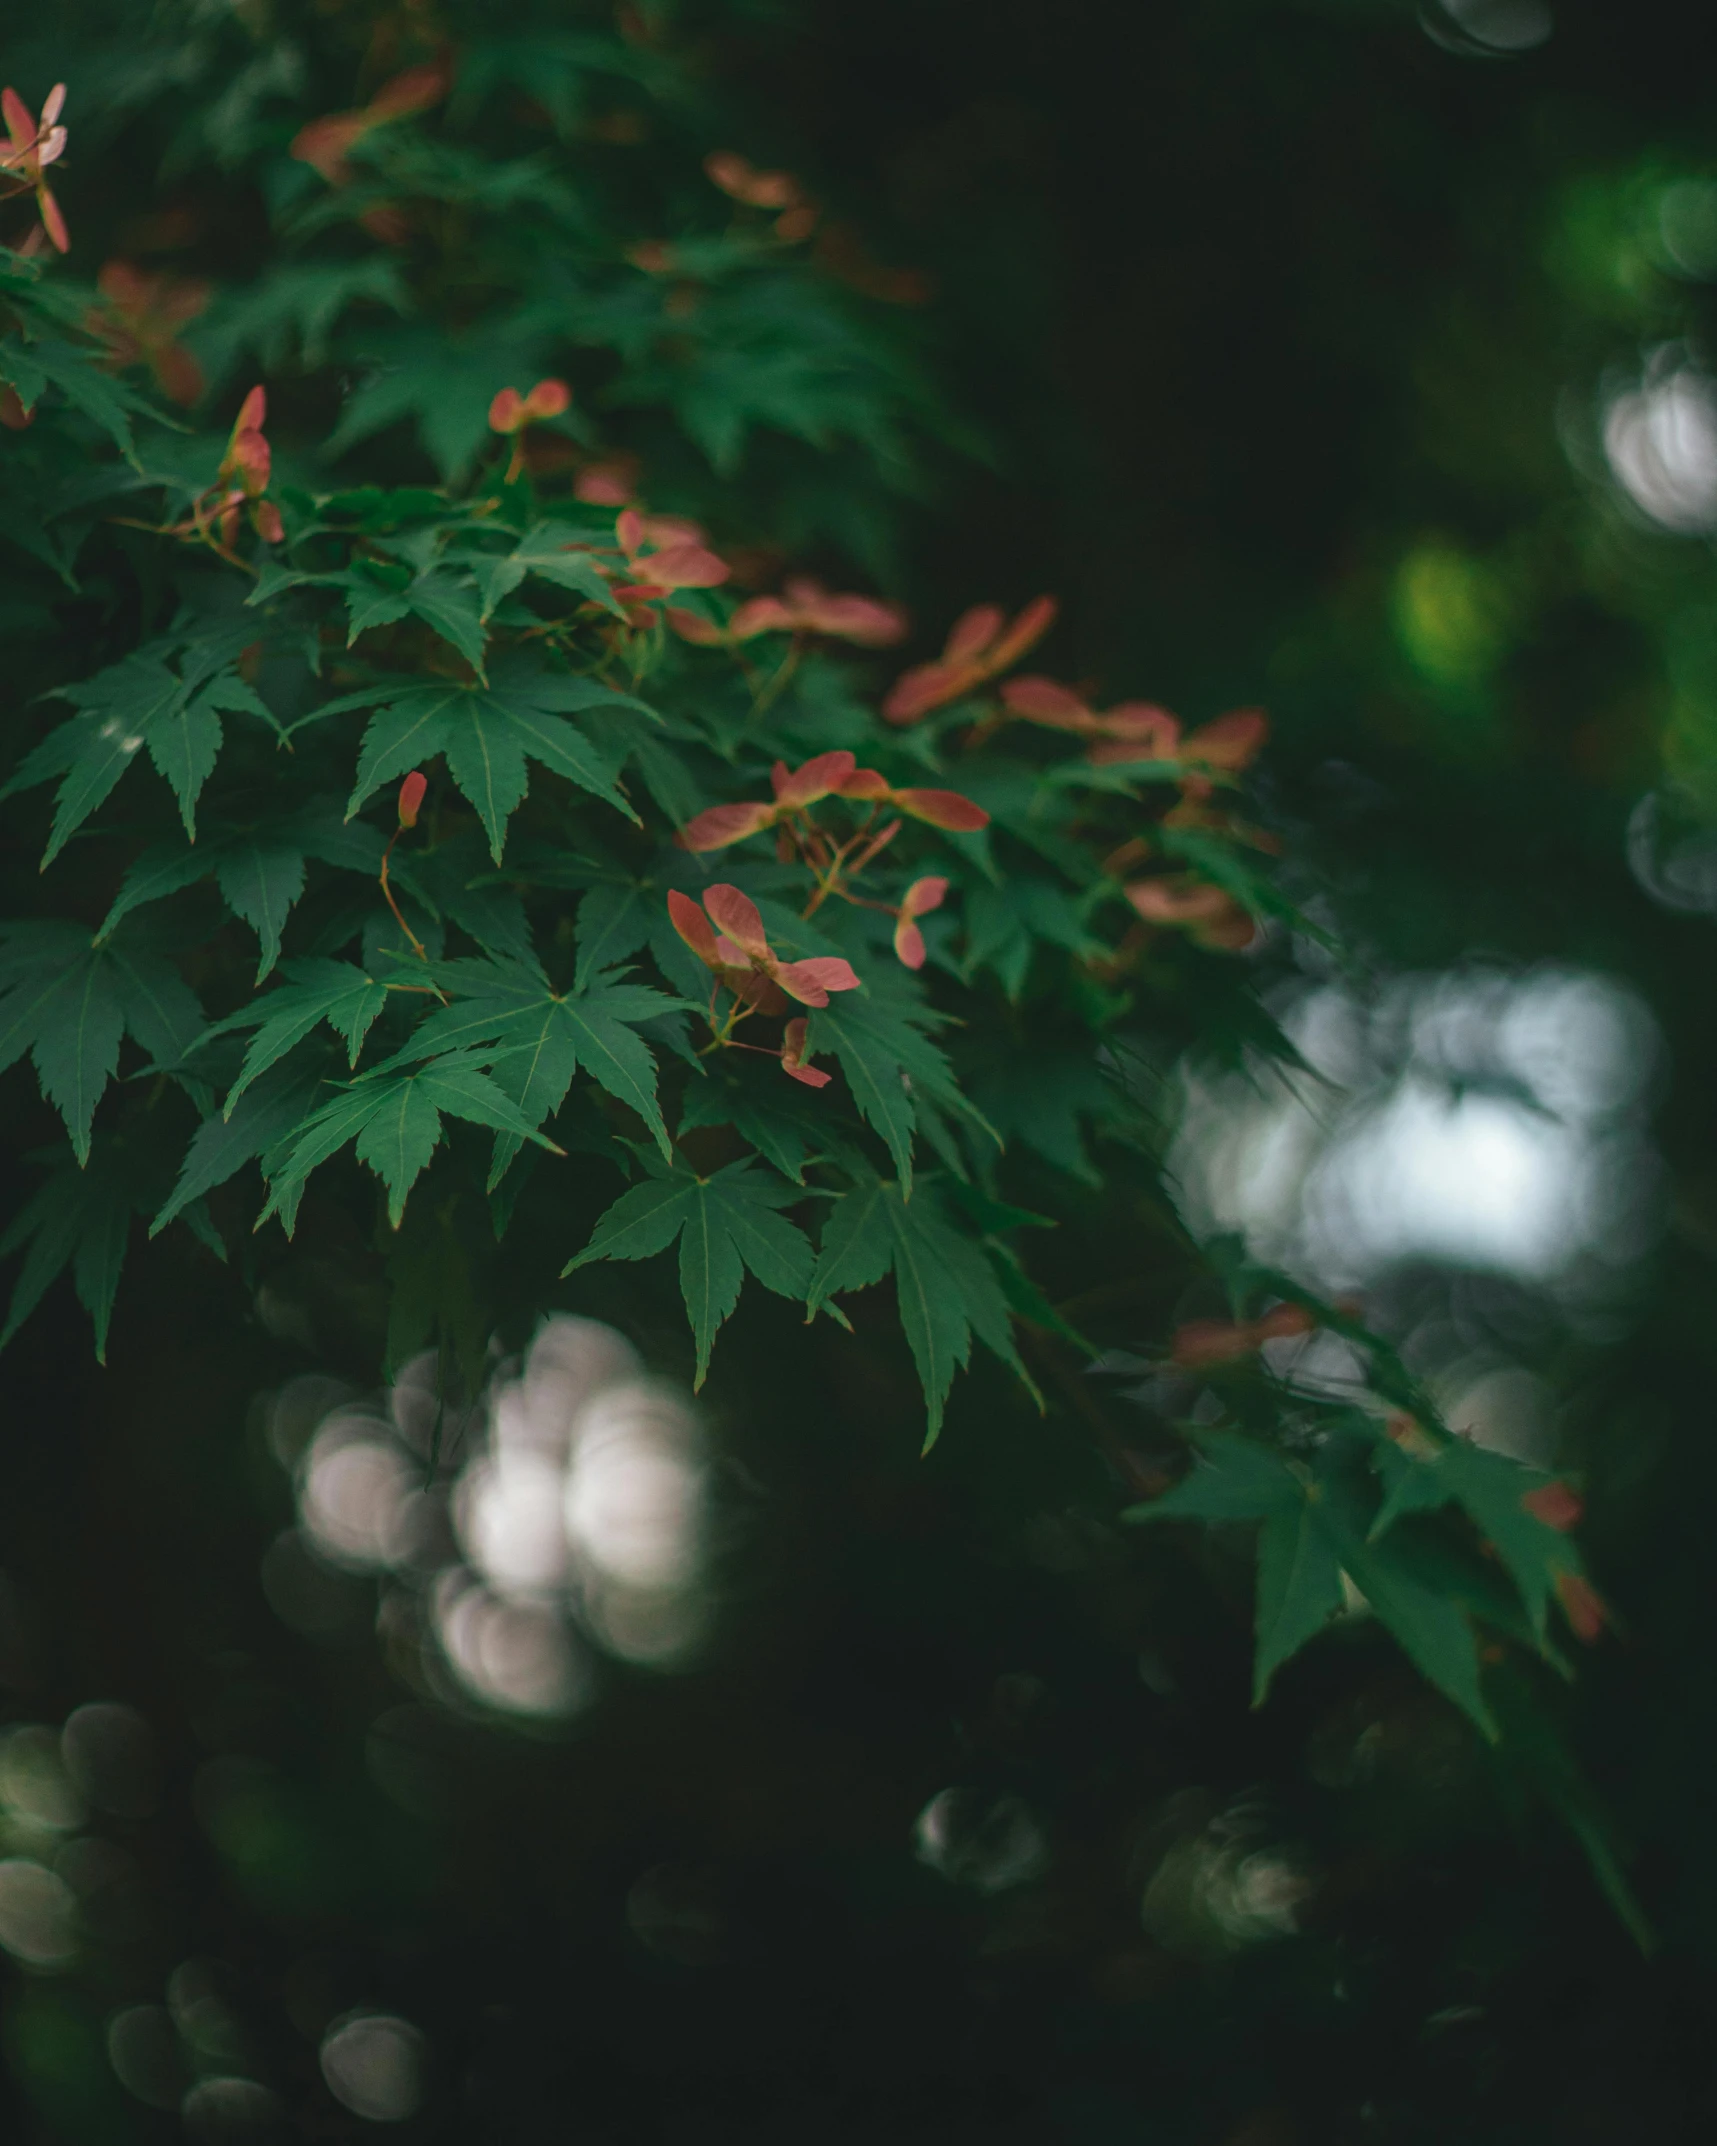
point(253, 985)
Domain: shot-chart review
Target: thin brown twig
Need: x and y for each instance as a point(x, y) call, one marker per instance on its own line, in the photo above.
point(399, 918)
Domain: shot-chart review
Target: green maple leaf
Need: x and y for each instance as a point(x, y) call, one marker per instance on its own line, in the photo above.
point(455, 881)
point(79, 1218)
point(783, 1130)
point(1539, 1746)
point(448, 602)
point(1006, 924)
point(380, 592)
point(260, 881)
point(445, 383)
point(614, 920)
point(259, 878)
point(1299, 1573)
point(535, 1039)
point(135, 704)
point(69, 1001)
point(291, 311)
point(886, 1056)
point(553, 552)
point(85, 383)
point(727, 1225)
point(1431, 1626)
point(487, 734)
point(226, 1140)
point(1039, 1093)
point(1491, 1489)
point(370, 603)
point(765, 357)
point(32, 530)
point(563, 72)
point(663, 771)
point(1016, 796)
point(260, 871)
point(1315, 1527)
point(313, 991)
point(1231, 1478)
point(945, 1286)
point(445, 601)
point(393, 1119)
point(1299, 1587)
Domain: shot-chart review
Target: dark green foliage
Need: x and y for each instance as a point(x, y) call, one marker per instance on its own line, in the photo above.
point(438, 595)
point(460, 1048)
point(727, 1226)
point(945, 1288)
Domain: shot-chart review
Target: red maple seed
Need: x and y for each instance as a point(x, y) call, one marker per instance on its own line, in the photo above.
point(1557, 1504)
point(1582, 1605)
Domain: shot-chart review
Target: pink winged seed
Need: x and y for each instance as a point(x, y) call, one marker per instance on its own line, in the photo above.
point(942, 808)
point(920, 898)
point(19, 124)
point(810, 982)
point(971, 633)
point(1044, 700)
point(723, 824)
point(818, 778)
point(683, 566)
point(793, 1057)
point(1025, 632)
point(694, 928)
point(736, 914)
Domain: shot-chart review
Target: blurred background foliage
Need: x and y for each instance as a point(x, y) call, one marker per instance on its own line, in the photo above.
point(1335, 355)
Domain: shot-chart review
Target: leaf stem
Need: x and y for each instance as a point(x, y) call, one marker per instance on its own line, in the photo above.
point(399, 919)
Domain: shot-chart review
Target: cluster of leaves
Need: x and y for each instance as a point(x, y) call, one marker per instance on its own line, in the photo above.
point(483, 969)
point(817, 953)
point(1351, 1505)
